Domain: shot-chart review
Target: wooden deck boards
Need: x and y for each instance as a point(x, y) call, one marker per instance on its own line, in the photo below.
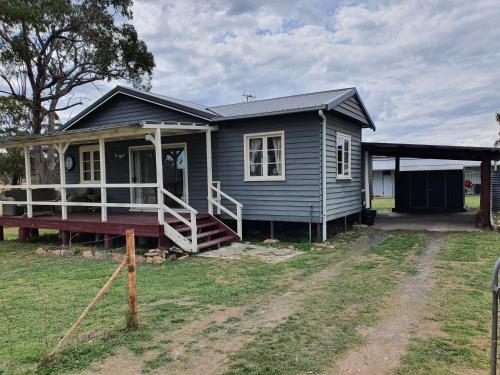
point(143, 223)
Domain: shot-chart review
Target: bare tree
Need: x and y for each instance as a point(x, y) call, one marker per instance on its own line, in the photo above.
point(50, 48)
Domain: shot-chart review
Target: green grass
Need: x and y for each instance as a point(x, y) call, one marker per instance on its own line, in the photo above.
point(387, 204)
point(40, 297)
point(325, 325)
point(459, 307)
point(472, 202)
point(383, 204)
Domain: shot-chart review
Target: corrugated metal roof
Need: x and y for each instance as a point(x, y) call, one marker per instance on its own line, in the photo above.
point(407, 164)
point(274, 106)
point(292, 103)
point(180, 102)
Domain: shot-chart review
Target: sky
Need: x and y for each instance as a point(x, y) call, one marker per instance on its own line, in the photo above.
point(427, 71)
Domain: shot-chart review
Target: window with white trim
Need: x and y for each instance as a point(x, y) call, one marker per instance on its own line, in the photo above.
point(343, 156)
point(265, 156)
point(90, 164)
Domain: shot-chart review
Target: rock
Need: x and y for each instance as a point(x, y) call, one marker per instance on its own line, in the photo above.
point(54, 253)
point(117, 257)
point(87, 254)
point(140, 259)
point(102, 255)
point(149, 260)
point(239, 245)
point(40, 251)
point(172, 257)
point(157, 260)
point(359, 226)
point(270, 241)
point(67, 253)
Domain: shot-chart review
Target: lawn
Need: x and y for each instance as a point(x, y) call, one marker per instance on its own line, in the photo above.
point(459, 309)
point(319, 319)
point(383, 204)
point(387, 204)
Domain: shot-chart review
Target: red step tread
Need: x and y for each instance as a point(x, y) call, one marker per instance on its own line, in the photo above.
point(216, 242)
point(185, 228)
point(208, 233)
point(171, 220)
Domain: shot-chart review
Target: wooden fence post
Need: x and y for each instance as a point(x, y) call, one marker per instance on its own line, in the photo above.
point(132, 280)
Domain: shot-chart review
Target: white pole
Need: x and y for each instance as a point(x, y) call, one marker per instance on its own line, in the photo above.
point(208, 141)
point(27, 168)
point(159, 175)
point(102, 168)
point(367, 180)
point(323, 178)
point(62, 182)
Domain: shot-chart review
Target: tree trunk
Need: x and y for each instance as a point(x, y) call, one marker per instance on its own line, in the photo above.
point(39, 162)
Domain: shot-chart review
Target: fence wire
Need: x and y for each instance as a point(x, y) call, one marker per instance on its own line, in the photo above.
point(42, 295)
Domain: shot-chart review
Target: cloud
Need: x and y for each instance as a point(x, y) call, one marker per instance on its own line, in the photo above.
point(427, 70)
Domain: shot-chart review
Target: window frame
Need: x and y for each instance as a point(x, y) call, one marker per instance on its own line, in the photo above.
point(91, 149)
point(345, 137)
point(264, 136)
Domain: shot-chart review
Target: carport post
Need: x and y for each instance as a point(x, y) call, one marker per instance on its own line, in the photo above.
point(484, 205)
point(396, 184)
point(367, 180)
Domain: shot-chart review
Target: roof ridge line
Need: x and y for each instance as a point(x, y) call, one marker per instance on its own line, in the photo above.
point(286, 96)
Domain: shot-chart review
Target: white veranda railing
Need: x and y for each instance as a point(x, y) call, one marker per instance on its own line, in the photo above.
point(190, 245)
point(29, 202)
point(215, 196)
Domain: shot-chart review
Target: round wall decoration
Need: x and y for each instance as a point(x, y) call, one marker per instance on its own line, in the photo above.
point(69, 162)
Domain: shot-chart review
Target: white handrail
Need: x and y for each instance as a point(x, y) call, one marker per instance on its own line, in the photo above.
point(173, 234)
point(77, 186)
point(79, 204)
point(178, 200)
point(238, 216)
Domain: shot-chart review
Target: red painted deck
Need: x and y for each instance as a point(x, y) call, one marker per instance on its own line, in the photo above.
point(210, 231)
point(143, 223)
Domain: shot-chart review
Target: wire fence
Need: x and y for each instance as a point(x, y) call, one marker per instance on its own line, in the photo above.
point(41, 296)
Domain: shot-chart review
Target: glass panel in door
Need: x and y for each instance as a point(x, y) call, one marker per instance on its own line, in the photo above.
point(174, 174)
point(143, 171)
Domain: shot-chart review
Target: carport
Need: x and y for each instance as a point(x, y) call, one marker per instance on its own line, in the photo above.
point(432, 187)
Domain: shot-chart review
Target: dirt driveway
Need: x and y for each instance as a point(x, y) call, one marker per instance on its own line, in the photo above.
point(216, 343)
point(446, 222)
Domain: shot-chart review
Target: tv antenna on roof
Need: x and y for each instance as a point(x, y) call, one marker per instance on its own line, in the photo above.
point(249, 96)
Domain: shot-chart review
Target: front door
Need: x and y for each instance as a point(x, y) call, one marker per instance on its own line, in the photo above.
point(143, 170)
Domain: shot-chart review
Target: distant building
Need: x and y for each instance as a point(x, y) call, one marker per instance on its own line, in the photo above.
point(383, 173)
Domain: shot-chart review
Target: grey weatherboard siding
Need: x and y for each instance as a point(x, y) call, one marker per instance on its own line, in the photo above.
point(125, 109)
point(122, 108)
point(343, 197)
point(287, 200)
point(273, 200)
point(117, 170)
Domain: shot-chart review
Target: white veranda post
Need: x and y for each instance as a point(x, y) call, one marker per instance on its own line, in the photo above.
point(102, 169)
point(159, 174)
point(27, 168)
point(208, 141)
point(61, 149)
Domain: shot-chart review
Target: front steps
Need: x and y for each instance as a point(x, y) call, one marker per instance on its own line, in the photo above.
point(211, 232)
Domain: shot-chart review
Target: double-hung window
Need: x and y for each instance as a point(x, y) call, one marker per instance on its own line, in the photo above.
point(265, 156)
point(90, 164)
point(343, 156)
